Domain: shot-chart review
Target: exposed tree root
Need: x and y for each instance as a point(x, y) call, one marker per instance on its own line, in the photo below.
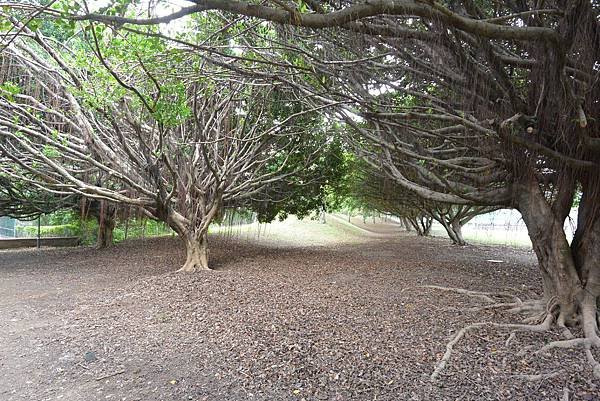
point(493, 306)
point(485, 296)
point(566, 393)
point(586, 343)
point(510, 338)
point(544, 326)
point(592, 361)
point(563, 344)
point(532, 306)
point(539, 377)
point(543, 316)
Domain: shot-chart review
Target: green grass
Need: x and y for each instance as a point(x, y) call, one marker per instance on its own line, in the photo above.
point(490, 237)
point(292, 232)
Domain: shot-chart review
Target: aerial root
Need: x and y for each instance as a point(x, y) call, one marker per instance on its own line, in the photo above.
point(485, 296)
point(544, 326)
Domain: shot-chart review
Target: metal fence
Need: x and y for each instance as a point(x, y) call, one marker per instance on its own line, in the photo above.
point(7, 227)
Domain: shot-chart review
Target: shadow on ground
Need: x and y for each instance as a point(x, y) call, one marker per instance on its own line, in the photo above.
point(284, 317)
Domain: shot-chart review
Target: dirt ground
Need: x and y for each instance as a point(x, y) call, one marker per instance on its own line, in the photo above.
point(341, 318)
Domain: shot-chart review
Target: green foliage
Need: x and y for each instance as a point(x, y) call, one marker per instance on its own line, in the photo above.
point(345, 198)
point(62, 230)
point(307, 188)
point(140, 229)
point(50, 151)
point(68, 223)
point(9, 89)
point(172, 109)
point(60, 217)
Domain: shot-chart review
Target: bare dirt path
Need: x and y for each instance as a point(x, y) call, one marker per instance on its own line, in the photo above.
point(342, 318)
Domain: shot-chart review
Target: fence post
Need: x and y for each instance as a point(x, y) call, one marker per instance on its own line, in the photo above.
point(39, 231)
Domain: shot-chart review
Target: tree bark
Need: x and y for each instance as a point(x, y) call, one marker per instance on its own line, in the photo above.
point(557, 266)
point(453, 229)
point(586, 250)
point(456, 227)
point(196, 250)
point(195, 239)
point(106, 224)
point(105, 233)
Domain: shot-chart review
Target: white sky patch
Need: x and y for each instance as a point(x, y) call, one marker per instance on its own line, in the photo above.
point(160, 8)
point(237, 50)
point(381, 89)
point(346, 112)
point(164, 8)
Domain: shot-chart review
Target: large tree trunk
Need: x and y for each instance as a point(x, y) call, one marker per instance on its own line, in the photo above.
point(194, 235)
point(457, 229)
point(105, 233)
point(545, 226)
point(426, 223)
point(196, 250)
point(106, 225)
point(453, 229)
point(586, 250)
point(421, 224)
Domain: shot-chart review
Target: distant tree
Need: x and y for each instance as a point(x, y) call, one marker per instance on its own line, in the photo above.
point(385, 195)
point(151, 126)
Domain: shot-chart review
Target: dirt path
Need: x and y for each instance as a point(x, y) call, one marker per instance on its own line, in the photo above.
point(341, 321)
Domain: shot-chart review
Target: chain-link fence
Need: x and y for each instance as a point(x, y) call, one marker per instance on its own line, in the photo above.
point(7, 227)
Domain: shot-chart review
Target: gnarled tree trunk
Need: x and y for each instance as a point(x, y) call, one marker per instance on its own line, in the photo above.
point(586, 250)
point(570, 275)
point(453, 229)
point(195, 241)
point(456, 226)
point(196, 250)
point(421, 224)
point(106, 224)
point(105, 233)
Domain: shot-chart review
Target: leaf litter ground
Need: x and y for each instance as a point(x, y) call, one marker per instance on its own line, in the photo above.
point(302, 312)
